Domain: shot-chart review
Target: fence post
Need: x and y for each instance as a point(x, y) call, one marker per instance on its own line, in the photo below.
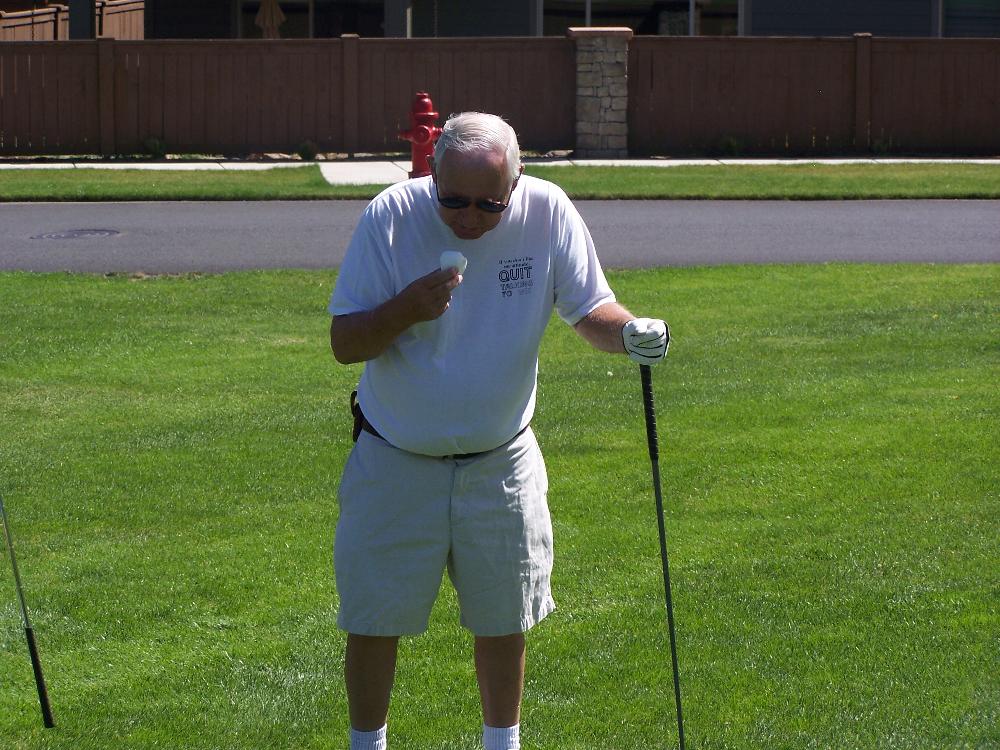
point(601, 91)
point(351, 84)
point(106, 94)
point(62, 22)
point(863, 92)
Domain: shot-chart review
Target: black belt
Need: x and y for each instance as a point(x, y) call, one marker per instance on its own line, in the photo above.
point(367, 427)
point(362, 423)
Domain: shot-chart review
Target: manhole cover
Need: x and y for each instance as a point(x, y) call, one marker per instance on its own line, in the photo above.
point(76, 234)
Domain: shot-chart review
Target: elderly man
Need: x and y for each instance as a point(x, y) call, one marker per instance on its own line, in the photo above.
point(445, 472)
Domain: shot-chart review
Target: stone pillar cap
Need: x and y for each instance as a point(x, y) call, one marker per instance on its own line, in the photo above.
point(623, 32)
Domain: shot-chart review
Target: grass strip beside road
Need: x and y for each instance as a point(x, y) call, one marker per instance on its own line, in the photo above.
point(299, 183)
point(794, 182)
point(170, 459)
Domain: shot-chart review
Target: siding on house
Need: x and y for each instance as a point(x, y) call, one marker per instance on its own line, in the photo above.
point(840, 17)
point(189, 19)
point(972, 18)
point(463, 18)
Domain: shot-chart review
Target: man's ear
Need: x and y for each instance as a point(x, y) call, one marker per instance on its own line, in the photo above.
point(430, 163)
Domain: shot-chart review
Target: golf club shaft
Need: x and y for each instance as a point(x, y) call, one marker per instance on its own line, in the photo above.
point(654, 457)
point(29, 634)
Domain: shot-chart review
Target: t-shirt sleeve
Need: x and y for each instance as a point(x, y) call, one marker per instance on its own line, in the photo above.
point(365, 279)
point(580, 285)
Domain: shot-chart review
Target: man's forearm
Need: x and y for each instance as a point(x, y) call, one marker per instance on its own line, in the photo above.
point(361, 336)
point(602, 328)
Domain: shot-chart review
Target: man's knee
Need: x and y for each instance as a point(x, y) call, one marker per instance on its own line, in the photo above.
point(372, 644)
point(514, 641)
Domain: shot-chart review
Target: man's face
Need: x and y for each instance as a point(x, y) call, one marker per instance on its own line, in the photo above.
point(471, 177)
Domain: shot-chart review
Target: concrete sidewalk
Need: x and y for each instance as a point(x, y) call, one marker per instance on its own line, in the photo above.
point(365, 172)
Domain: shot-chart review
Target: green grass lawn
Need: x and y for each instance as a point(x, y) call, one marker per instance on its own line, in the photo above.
point(799, 182)
point(170, 455)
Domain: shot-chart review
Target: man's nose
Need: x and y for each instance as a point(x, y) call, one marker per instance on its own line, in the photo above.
point(470, 216)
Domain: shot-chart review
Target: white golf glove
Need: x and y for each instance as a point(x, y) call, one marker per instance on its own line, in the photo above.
point(646, 340)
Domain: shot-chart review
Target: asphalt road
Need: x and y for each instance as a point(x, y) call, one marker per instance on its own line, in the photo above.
point(178, 237)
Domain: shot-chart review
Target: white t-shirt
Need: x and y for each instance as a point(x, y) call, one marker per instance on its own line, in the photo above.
point(465, 382)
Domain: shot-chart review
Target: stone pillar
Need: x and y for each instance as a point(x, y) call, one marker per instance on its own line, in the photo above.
point(601, 91)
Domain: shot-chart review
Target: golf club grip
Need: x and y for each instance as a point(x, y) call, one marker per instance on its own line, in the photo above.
point(36, 666)
point(650, 410)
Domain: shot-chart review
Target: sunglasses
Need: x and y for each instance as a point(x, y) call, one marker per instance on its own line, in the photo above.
point(490, 207)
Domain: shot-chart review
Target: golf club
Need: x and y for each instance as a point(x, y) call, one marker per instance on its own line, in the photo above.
point(654, 457)
point(36, 664)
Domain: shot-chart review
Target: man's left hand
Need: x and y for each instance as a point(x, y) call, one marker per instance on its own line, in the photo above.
point(646, 340)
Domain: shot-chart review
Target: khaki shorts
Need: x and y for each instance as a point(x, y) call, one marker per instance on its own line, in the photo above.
point(406, 518)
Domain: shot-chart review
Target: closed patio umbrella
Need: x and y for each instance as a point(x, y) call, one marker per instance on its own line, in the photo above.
point(269, 18)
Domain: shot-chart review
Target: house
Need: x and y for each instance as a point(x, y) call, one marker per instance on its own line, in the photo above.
point(238, 19)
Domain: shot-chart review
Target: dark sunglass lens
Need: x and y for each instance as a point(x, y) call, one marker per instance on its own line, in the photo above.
point(491, 207)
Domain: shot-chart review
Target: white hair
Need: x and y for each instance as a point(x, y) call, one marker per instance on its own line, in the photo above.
point(475, 132)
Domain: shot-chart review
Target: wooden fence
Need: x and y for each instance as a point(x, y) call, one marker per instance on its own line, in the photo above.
point(43, 24)
point(344, 95)
point(120, 19)
point(686, 96)
point(792, 96)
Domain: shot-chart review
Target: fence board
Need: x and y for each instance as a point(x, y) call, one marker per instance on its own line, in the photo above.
point(373, 81)
point(212, 128)
point(296, 95)
point(50, 103)
point(79, 122)
point(24, 86)
point(185, 139)
point(171, 93)
point(280, 81)
point(151, 99)
point(240, 132)
point(198, 109)
point(126, 111)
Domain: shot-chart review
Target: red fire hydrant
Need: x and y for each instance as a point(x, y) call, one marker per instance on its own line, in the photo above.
point(422, 134)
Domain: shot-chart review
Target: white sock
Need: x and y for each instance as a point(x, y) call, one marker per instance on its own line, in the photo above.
point(502, 738)
point(368, 740)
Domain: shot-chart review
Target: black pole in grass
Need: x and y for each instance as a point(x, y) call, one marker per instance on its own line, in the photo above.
point(36, 664)
point(654, 457)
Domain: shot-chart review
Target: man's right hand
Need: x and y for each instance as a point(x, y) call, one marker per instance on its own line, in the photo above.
point(428, 297)
point(361, 336)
